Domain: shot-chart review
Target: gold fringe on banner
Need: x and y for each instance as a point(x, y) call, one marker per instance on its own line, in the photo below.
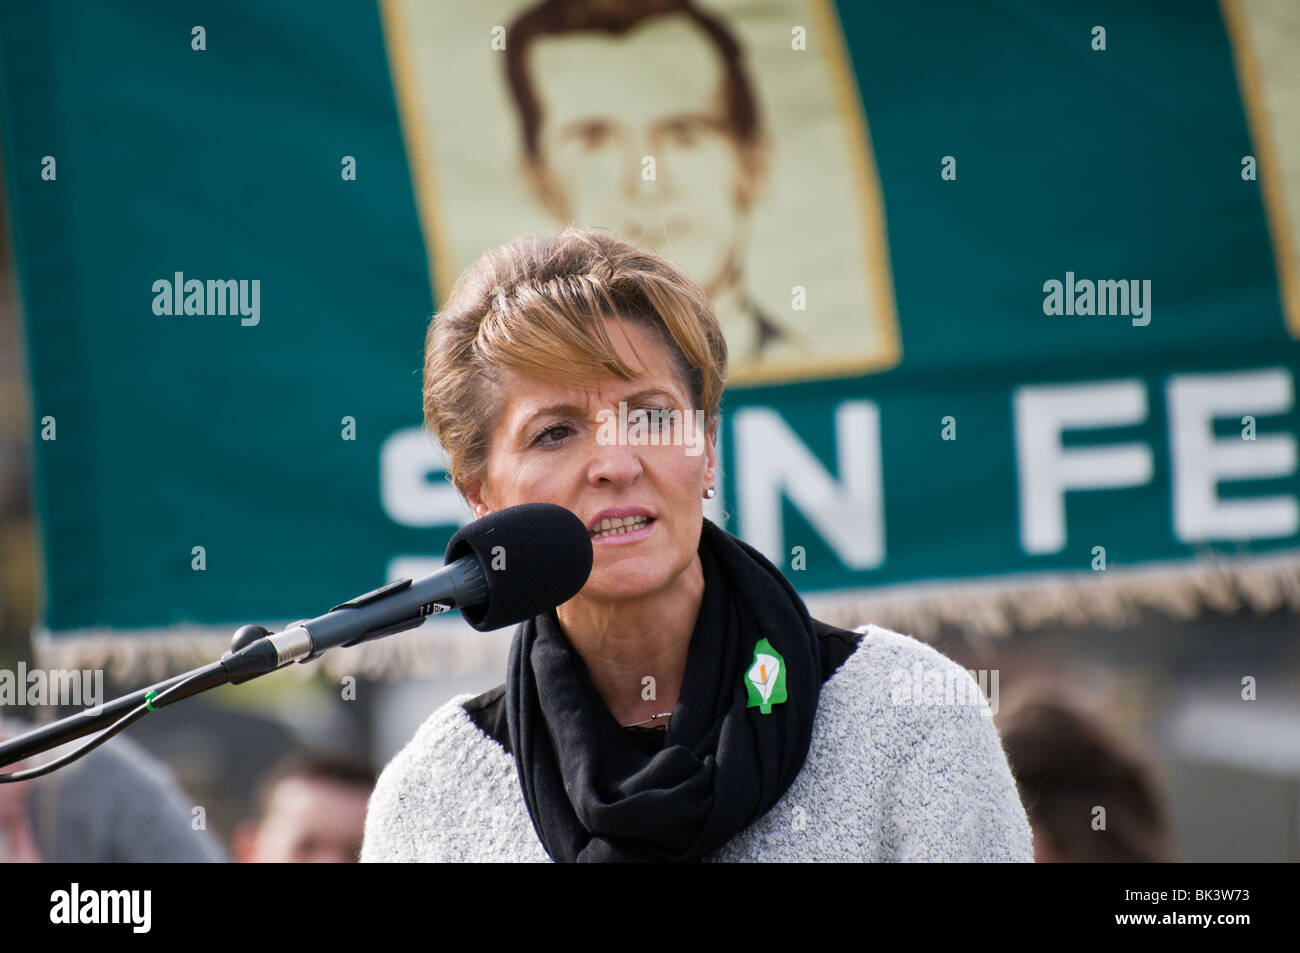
point(439, 647)
point(979, 609)
point(996, 608)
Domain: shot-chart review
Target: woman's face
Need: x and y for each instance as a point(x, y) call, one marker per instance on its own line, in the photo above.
point(552, 445)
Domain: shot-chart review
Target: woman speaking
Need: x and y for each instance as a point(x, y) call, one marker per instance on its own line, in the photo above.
point(683, 706)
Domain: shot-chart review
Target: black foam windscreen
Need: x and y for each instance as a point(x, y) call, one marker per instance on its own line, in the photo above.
point(534, 556)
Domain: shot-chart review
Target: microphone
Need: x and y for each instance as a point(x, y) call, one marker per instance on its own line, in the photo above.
point(501, 569)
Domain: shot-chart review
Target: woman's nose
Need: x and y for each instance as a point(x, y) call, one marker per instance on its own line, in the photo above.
point(618, 463)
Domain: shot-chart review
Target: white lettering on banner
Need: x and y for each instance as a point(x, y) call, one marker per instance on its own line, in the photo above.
point(772, 463)
point(1047, 469)
point(413, 488)
point(1201, 460)
point(413, 567)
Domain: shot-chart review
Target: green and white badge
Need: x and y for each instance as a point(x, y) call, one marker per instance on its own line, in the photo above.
point(766, 678)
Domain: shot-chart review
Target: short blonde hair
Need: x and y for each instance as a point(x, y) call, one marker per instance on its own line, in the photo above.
point(536, 306)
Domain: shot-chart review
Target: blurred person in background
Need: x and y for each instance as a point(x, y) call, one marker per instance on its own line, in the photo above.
point(1067, 763)
point(311, 808)
point(17, 839)
point(117, 804)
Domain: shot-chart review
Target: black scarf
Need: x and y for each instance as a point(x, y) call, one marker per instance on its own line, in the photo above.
point(593, 795)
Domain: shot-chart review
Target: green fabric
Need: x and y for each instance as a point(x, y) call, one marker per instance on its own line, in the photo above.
point(177, 431)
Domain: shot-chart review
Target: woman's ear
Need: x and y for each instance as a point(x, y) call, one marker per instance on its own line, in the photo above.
point(474, 497)
point(711, 450)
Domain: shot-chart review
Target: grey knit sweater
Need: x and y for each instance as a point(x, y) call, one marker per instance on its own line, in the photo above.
point(886, 778)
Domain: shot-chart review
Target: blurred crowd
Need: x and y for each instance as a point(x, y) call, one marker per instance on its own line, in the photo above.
point(120, 804)
point(1090, 796)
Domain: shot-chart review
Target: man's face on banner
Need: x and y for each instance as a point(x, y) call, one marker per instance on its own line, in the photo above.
point(608, 102)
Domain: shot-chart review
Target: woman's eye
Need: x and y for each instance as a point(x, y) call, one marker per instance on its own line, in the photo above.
point(654, 416)
point(541, 437)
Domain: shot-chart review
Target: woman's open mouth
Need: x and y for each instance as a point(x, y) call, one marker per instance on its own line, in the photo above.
point(625, 530)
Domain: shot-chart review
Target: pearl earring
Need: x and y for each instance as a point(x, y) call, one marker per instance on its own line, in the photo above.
point(710, 493)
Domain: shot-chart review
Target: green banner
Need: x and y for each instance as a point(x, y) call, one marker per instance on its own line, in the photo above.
point(1011, 289)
